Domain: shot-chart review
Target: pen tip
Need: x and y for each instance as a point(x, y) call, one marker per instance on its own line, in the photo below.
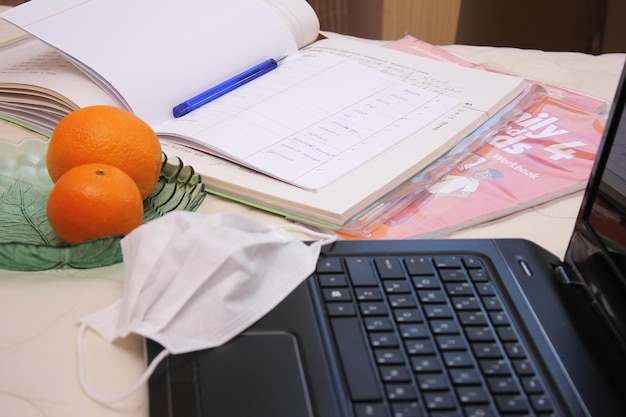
point(280, 58)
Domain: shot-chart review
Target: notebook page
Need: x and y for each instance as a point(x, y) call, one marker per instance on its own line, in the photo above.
point(313, 120)
point(300, 18)
point(158, 53)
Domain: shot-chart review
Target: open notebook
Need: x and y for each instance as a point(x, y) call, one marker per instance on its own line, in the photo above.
point(492, 327)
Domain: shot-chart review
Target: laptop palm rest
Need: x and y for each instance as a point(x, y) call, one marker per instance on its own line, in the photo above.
point(241, 377)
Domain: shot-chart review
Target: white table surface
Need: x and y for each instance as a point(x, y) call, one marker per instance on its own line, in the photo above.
point(38, 357)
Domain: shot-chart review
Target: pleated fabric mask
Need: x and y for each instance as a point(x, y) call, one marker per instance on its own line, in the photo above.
point(194, 281)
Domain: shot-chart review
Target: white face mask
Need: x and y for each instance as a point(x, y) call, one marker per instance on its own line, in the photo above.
point(194, 281)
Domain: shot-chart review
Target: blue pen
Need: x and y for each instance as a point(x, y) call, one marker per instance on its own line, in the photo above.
point(227, 86)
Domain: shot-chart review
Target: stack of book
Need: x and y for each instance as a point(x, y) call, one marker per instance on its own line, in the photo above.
point(337, 126)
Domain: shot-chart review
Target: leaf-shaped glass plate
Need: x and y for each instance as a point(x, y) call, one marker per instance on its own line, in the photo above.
point(27, 241)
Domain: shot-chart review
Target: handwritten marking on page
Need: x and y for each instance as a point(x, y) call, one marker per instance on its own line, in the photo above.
point(314, 119)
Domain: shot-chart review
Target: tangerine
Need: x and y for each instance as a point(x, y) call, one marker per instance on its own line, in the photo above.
point(91, 201)
point(108, 135)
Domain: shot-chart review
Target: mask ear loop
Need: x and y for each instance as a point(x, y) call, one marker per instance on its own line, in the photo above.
point(142, 380)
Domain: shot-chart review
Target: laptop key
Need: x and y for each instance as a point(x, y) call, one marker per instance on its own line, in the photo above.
point(506, 333)
point(512, 404)
point(480, 334)
point(464, 376)
point(541, 403)
point(459, 288)
point(361, 272)
point(376, 324)
point(465, 303)
point(447, 261)
point(495, 367)
point(523, 367)
point(332, 280)
point(395, 373)
point(340, 309)
point(419, 265)
point(389, 356)
point(480, 411)
point(492, 303)
point(420, 347)
point(425, 282)
point(432, 382)
point(472, 318)
point(407, 409)
point(485, 288)
point(438, 311)
point(426, 363)
point(439, 401)
point(414, 331)
point(356, 360)
point(488, 350)
point(401, 392)
point(471, 261)
point(452, 275)
point(408, 315)
point(444, 326)
point(397, 286)
point(371, 410)
point(473, 395)
point(383, 339)
point(389, 267)
point(329, 265)
point(373, 309)
point(368, 294)
point(532, 385)
point(503, 385)
point(432, 296)
point(514, 350)
point(457, 359)
point(451, 342)
point(499, 318)
point(337, 294)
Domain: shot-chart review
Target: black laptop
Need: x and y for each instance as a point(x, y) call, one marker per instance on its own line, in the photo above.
point(473, 328)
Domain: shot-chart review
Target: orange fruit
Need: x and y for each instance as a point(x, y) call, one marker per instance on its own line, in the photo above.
point(108, 135)
point(91, 201)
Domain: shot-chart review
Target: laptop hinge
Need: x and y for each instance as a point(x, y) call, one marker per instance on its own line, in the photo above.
point(562, 274)
point(566, 278)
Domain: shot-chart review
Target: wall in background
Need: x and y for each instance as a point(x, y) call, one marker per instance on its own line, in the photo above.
point(591, 26)
point(434, 21)
point(555, 25)
point(614, 39)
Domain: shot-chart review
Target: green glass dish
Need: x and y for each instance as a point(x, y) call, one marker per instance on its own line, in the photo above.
point(27, 241)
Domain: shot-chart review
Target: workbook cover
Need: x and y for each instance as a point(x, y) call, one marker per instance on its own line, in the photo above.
point(544, 151)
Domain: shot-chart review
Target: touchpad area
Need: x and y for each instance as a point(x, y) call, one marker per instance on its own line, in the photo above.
point(255, 374)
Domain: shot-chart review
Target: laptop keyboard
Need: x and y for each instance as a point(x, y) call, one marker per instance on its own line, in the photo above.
point(435, 334)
